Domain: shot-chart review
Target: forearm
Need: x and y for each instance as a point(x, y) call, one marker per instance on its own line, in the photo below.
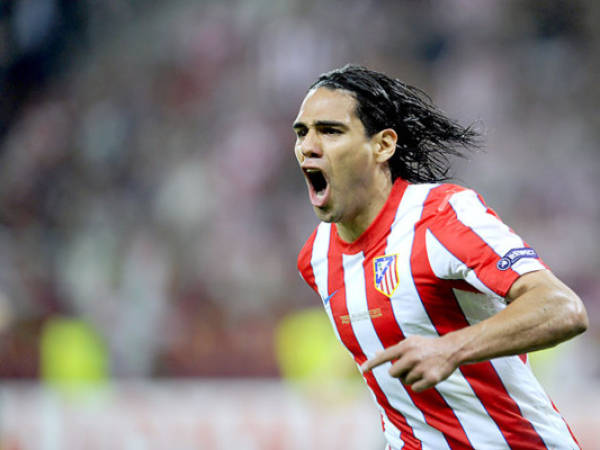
point(542, 315)
point(542, 312)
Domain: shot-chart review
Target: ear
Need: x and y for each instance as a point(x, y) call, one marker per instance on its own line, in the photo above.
point(385, 144)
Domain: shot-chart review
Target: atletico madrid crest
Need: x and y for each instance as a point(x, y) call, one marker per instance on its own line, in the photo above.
point(385, 269)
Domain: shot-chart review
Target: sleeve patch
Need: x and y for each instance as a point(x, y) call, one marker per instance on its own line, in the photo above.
point(512, 256)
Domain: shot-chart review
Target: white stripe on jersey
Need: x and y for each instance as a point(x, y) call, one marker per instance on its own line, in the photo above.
point(320, 266)
point(533, 402)
point(356, 302)
point(448, 267)
point(472, 213)
point(318, 259)
point(520, 383)
point(319, 263)
point(412, 319)
point(527, 394)
point(477, 307)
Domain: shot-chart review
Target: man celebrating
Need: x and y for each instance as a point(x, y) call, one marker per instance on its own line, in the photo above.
point(434, 296)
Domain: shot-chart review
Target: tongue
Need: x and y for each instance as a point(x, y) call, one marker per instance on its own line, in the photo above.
point(320, 198)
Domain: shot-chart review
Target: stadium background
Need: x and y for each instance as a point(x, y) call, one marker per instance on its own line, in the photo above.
point(151, 209)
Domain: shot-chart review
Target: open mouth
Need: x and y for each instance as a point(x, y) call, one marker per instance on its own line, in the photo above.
point(318, 186)
point(316, 178)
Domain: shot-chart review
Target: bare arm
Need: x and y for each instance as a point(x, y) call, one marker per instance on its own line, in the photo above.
point(542, 312)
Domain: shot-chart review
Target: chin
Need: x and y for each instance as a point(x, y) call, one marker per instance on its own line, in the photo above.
point(326, 215)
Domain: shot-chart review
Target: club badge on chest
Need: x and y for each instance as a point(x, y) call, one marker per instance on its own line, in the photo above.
point(385, 271)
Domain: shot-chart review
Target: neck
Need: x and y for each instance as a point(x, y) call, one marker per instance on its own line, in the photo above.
point(350, 230)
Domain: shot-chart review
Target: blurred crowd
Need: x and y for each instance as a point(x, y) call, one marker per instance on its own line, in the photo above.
point(147, 180)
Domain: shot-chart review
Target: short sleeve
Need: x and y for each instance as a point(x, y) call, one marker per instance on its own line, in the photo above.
point(304, 262)
point(467, 240)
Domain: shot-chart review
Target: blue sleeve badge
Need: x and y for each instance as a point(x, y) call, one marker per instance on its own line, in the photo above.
point(512, 256)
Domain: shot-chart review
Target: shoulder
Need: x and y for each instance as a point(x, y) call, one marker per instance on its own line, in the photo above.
point(431, 199)
point(312, 258)
point(441, 194)
point(318, 242)
point(432, 194)
point(451, 200)
point(305, 254)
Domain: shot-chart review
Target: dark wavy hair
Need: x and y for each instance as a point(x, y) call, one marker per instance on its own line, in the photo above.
point(426, 137)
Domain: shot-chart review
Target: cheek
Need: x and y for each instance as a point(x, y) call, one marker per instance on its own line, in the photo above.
point(298, 153)
point(356, 161)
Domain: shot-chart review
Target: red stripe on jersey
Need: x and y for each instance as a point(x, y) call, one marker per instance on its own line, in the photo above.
point(395, 273)
point(463, 285)
point(304, 261)
point(464, 243)
point(379, 228)
point(346, 333)
point(436, 411)
point(446, 315)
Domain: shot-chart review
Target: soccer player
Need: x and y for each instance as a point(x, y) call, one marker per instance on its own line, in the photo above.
point(435, 297)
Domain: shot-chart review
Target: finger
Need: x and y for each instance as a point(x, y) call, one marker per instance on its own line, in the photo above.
point(421, 385)
point(427, 380)
point(401, 368)
point(379, 358)
point(412, 376)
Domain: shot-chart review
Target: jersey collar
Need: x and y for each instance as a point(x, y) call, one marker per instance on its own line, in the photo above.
point(380, 226)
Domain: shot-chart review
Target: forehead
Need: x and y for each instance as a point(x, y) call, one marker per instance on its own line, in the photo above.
point(327, 105)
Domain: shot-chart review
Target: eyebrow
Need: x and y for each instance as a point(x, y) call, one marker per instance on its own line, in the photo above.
point(322, 123)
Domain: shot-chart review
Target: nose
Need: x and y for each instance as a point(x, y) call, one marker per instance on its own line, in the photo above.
point(310, 147)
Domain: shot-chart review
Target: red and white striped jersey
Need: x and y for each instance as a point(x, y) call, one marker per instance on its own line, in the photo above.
point(436, 259)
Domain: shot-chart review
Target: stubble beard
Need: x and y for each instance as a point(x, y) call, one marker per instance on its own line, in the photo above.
point(325, 214)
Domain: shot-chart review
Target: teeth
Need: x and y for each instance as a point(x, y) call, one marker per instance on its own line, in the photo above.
point(312, 170)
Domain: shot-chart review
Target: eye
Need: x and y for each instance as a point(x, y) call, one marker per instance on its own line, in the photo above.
point(300, 132)
point(331, 130)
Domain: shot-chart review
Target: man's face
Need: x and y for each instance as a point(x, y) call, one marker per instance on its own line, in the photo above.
point(335, 154)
